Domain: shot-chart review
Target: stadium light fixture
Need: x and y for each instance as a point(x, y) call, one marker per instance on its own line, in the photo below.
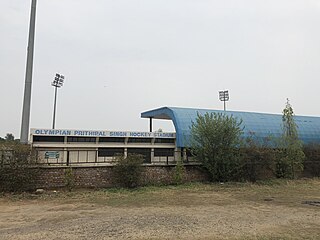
point(57, 83)
point(224, 96)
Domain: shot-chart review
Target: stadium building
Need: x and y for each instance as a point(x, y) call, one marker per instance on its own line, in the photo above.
point(70, 147)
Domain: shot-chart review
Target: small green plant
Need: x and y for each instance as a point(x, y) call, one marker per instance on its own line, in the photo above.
point(128, 170)
point(69, 179)
point(179, 173)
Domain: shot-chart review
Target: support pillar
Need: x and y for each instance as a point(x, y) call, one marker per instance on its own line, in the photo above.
point(152, 155)
point(150, 124)
point(125, 152)
point(177, 154)
point(65, 155)
point(185, 157)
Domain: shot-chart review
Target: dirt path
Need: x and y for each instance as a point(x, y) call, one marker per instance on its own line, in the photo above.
point(178, 214)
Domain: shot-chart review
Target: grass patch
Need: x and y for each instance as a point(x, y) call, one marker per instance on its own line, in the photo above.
point(191, 194)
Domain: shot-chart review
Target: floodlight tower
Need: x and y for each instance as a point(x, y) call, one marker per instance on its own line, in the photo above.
point(57, 83)
point(224, 96)
point(24, 133)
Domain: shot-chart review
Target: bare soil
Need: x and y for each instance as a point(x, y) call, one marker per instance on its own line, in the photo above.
point(269, 210)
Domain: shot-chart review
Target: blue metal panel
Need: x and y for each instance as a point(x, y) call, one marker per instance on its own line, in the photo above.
point(261, 124)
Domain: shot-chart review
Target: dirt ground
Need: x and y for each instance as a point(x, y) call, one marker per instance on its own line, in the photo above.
point(269, 210)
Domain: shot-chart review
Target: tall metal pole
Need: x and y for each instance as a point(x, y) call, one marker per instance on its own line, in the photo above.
point(224, 105)
point(24, 133)
point(57, 83)
point(54, 107)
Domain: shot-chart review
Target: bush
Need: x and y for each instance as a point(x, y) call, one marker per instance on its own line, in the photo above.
point(312, 162)
point(15, 172)
point(179, 173)
point(69, 179)
point(216, 142)
point(258, 158)
point(128, 170)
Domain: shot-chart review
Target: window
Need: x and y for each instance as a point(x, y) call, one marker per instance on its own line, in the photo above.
point(164, 140)
point(48, 139)
point(163, 152)
point(139, 140)
point(81, 139)
point(112, 139)
point(145, 152)
point(110, 152)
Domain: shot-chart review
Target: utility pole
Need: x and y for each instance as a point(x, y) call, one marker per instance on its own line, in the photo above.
point(24, 133)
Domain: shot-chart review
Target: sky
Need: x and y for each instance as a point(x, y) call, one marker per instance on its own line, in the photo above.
point(123, 57)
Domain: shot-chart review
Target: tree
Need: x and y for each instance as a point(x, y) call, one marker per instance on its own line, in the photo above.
point(9, 137)
point(291, 155)
point(215, 142)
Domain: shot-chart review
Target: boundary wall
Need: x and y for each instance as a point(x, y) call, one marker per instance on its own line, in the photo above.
point(102, 176)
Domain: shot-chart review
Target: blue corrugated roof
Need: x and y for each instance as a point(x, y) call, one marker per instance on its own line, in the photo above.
point(261, 124)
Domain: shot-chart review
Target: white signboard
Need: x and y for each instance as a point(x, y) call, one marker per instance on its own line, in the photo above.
point(98, 133)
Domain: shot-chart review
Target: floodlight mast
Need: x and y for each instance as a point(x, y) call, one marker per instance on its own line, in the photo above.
point(24, 133)
point(57, 83)
point(224, 96)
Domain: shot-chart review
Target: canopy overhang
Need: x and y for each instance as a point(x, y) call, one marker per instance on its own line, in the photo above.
point(261, 125)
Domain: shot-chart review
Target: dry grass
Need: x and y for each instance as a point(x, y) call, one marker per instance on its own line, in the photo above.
point(266, 210)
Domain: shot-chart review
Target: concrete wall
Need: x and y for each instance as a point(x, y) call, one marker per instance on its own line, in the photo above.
point(102, 176)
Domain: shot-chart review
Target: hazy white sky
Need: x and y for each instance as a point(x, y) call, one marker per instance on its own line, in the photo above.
point(122, 57)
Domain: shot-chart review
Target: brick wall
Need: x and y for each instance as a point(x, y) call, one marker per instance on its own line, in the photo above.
point(101, 176)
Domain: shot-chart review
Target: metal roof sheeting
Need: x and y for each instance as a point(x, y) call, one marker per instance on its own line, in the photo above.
point(263, 125)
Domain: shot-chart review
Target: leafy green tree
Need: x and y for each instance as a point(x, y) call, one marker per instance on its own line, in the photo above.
point(291, 156)
point(215, 142)
point(9, 137)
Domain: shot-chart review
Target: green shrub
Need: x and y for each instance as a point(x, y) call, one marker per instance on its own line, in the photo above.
point(128, 170)
point(216, 143)
point(179, 173)
point(18, 170)
point(259, 157)
point(312, 161)
point(69, 178)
